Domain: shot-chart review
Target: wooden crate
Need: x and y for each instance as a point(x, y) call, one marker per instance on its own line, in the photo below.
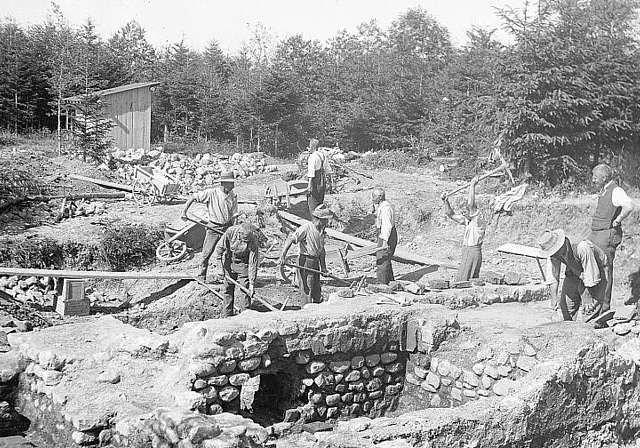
point(72, 301)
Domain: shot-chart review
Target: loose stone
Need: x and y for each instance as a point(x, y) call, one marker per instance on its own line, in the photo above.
point(199, 384)
point(485, 353)
point(393, 389)
point(478, 368)
point(376, 394)
point(365, 372)
point(504, 370)
point(456, 394)
point(307, 382)
point(357, 362)
point(413, 379)
point(228, 393)
point(503, 386)
point(428, 387)
point(315, 367)
point(444, 367)
point(302, 357)
point(420, 372)
point(526, 363)
point(485, 381)
point(433, 380)
point(471, 378)
point(340, 366)
point(372, 360)
point(436, 401)
point(317, 399)
point(528, 350)
point(378, 371)
point(227, 366)
point(483, 392)
point(388, 357)
point(469, 393)
point(333, 399)
point(354, 375)
point(247, 365)
point(239, 379)
point(455, 372)
point(446, 381)
point(393, 368)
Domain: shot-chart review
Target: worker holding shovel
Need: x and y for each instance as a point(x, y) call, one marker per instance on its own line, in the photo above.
point(222, 208)
point(310, 238)
point(237, 255)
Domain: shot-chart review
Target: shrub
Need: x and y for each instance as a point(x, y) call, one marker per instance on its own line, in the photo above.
point(395, 160)
point(37, 253)
point(128, 245)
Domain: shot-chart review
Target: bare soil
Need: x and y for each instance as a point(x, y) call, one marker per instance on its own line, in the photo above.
point(422, 227)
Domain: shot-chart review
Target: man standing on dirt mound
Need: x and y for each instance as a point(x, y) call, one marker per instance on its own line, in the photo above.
point(222, 208)
point(606, 224)
point(319, 174)
point(237, 255)
point(474, 230)
point(585, 271)
point(387, 236)
point(310, 238)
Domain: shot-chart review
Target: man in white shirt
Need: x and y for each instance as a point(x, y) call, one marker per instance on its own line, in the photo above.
point(387, 236)
point(606, 224)
point(222, 208)
point(319, 174)
point(474, 230)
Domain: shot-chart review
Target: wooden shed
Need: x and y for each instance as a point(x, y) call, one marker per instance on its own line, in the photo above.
point(129, 108)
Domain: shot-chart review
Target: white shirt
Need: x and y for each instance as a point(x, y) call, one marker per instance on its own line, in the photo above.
point(618, 197)
point(318, 159)
point(220, 206)
point(473, 231)
point(385, 219)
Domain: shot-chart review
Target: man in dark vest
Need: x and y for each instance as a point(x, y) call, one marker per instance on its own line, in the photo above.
point(319, 174)
point(237, 254)
point(606, 225)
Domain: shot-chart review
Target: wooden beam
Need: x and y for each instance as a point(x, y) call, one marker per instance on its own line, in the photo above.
point(26, 272)
point(400, 256)
point(103, 183)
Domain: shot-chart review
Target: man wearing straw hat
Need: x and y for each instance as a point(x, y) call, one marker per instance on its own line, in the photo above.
point(585, 271)
point(310, 238)
point(222, 208)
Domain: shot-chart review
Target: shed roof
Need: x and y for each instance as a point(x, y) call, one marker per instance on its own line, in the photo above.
point(119, 89)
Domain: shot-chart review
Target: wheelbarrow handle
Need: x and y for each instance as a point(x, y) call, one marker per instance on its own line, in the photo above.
point(208, 224)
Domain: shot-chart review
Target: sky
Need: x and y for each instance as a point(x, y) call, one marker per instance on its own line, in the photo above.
point(229, 22)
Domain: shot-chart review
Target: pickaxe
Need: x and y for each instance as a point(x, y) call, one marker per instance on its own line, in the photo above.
point(504, 166)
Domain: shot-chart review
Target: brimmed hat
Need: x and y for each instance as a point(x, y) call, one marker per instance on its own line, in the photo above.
point(227, 176)
point(550, 241)
point(322, 212)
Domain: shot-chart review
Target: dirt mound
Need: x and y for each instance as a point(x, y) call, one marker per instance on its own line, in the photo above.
point(190, 303)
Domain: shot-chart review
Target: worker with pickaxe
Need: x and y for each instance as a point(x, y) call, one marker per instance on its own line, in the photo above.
point(474, 230)
point(311, 261)
point(237, 255)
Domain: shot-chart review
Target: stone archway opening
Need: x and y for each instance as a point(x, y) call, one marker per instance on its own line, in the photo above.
point(275, 399)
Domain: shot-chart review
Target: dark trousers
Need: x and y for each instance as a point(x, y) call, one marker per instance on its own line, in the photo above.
point(573, 291)
point(310, 282)
point(229, 293)
point(384, 268)
point(607, 240)
point(470, 263)
point(210, 240)
point(314, 200)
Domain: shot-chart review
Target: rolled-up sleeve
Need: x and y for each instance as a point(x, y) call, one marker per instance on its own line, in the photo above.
point(313, 164)
point(553, 271)
point(220, 247)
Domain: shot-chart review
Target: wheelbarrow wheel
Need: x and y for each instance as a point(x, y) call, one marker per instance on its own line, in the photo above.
point(144, 193)
point(171, 251)
point(289, 274)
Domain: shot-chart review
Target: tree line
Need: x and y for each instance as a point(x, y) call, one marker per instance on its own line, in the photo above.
point(562, 96)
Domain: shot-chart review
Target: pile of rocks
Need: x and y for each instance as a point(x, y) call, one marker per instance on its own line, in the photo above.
point(37, 290)
point(192, 173)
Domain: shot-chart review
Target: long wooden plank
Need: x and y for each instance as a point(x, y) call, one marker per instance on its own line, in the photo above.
point(367, 250)
point(519, 249)
point(103, 183)
point(26, 272)
point(399, 255)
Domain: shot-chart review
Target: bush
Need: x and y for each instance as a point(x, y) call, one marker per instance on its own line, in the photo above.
point(128, 245)
point(395, 160)
point(37, 253)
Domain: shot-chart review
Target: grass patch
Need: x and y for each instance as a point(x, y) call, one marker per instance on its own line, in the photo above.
point(129, 245)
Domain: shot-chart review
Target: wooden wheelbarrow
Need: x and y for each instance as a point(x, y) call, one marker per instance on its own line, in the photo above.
point(175, 246)
point(279, 193)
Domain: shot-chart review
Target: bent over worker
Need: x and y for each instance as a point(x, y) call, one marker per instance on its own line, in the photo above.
point(585, 273)
point(237, 255)
point(387, 236)
point(319, 174)
point(474, 230)
point(222, 207)
point(606, 225)
point(310, 238)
